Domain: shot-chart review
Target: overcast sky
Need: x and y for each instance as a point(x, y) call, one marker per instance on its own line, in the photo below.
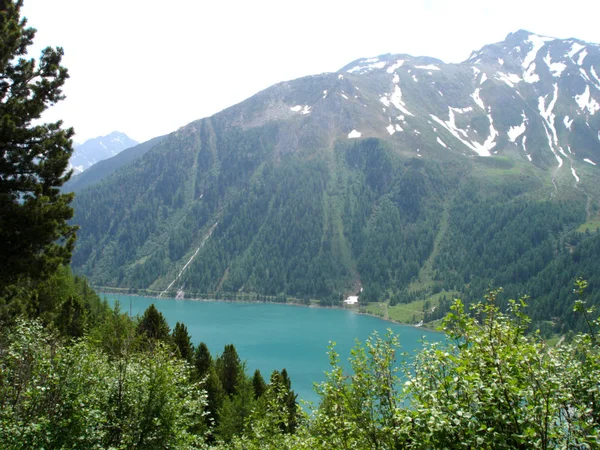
point(148, 67)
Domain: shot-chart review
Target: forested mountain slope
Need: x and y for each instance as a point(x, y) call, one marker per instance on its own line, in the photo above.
point(404, 176)
point(104, 168)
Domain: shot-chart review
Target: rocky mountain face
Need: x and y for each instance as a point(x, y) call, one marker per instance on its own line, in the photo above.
point(404, 176)
point(99, 149)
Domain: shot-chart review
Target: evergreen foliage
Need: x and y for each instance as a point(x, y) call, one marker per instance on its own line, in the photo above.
point(258, 383)
point(229, 368)
point(183, 342)
point(316, 225)
point(202, 360)
point(154, 326)
point(36, 238)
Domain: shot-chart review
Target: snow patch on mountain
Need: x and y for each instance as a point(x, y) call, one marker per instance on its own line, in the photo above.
point(302, 109)
point(547, 113)
point(477, 98)
point(595, 75)
point(485, 148)
point(537, 42)
point(462, 136)
point(354, 134)
point(428, 67)
point(390, 129)
point(574, 174)
point(581, 57)
point(568, 123)
point(515, 132)
point(367, 65)
point(575, 48)
point(511, 79)
point(585, 101)
point(395, 99)
point(589, 161)
point(441, 143)
point(395, 66)
point(529, 76)
point(557, 68)
point(523, 143)
point(548, 116)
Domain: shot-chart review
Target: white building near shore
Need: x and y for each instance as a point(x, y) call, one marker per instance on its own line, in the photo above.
point(352, 300)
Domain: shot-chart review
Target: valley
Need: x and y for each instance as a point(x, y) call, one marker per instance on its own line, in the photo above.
point(405, 177)
point(462, 197)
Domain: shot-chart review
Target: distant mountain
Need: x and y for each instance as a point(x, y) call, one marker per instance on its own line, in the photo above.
point(98, 149)
point(106, 167)
point(412, 179)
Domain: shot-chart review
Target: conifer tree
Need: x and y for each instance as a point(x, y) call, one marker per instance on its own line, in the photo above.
point(229, 367)
point(202, 360)
point(153, 325)
point(183, 342)
point(34, 232)
point(258, 383)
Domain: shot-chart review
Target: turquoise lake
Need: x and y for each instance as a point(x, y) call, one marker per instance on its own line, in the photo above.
point(273, 336)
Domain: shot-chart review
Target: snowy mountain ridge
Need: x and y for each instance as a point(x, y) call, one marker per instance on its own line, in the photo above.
point(98, 149)
point(531, 95)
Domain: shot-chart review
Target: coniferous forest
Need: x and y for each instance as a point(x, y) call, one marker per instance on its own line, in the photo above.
point(76, 373)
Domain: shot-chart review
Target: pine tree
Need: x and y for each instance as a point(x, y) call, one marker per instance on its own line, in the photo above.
point(153, 325)
point(258, 383)
point(34, 232)
point(229, 367)
point(202, 360)
point(183, 342)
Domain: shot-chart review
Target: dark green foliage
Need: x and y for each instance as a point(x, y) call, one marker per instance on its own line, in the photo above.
point(182, 341)
point(236, 410)
point(522, 245)
point(290, 401)
point(116, 333)
point(153, 325)
point(35, 236)
point(61, 301)
point(229, 369)
point(258, 383)
point(202, 360)
point(215, 396)
point(71, 320)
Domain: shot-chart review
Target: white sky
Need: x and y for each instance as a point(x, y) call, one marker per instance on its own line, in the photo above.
point(148, 67)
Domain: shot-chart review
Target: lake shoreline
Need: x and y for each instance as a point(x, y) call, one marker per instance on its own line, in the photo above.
point(288, 303)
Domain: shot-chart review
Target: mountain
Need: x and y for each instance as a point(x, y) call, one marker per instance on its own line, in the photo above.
point(98, 149)
point(104, 168)
point(403, 178)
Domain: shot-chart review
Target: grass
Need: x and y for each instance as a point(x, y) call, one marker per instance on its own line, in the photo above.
point(408, 313)
point(592, 224)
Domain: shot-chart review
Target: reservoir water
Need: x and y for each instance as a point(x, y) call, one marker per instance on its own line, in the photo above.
point(273, 336)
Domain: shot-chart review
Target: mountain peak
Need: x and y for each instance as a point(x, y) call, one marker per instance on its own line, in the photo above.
point(99, 148)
